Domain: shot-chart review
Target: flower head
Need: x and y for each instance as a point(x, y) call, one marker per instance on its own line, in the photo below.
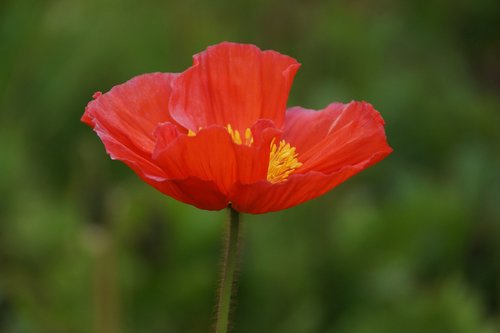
point(219, 133)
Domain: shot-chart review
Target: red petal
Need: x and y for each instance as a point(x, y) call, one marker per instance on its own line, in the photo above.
point(233, 84)
point(338, 136)
point(126, 117)
point(141, 165)
point(208, 156)
point(263, 197)
point(193, 191)
point(333, 145)
point(212, 155)
point(130, 112)
point(253, 160)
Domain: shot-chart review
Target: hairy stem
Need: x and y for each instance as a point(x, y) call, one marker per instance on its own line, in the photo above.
point(229, 272)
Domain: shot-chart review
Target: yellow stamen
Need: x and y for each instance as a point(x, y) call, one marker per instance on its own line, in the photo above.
point(248, 135)
point(282, 161)
point(235, 134)
point(237, 137)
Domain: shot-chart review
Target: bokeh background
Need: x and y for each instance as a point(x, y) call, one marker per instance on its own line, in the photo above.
point(410, 245)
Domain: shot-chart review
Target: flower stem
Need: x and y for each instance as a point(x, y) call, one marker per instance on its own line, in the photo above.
point(228, 283)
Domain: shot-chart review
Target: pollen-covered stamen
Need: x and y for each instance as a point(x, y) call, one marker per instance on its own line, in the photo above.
point(247, 139)
point(282, 161)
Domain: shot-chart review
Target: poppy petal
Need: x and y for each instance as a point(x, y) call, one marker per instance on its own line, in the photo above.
point(338, 136)
point(233, 84)
point(130, 112)
point(193, 191)
point(253, 160)
point(142, 166)
point(190, 190)
point(209, 156)
point(212, 155)
point(263, 196)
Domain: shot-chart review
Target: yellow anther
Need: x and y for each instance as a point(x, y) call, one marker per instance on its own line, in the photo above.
point(282, 161)
point(248, 137)
point(236, 136)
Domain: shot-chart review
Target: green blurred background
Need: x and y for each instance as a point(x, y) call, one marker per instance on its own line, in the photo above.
point(410, 245)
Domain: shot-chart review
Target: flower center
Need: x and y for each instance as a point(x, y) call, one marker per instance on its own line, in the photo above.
point(282, 157)
point(282, 162)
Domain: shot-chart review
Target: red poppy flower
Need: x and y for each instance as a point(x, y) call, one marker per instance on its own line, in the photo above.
point(219, 133)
